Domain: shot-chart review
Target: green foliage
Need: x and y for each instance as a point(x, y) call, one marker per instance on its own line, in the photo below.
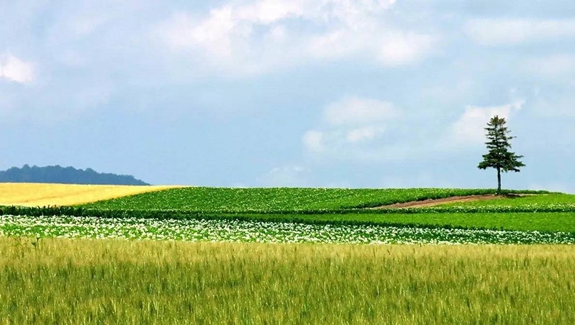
point(545, 212)
point(544, 202)
point(275, 200)
point(498, 156)
point(534, 202)
point(555, 202)
point(449, 217)
point(498, 145)
point(522, 221)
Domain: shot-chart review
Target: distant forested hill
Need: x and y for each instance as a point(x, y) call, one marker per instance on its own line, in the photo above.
point(65, 175)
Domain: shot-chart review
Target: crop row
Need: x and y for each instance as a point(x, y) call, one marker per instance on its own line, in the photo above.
point(289, 215)
point(536, 207)
point(274, 200)
point(522, 221)
point(227, 230)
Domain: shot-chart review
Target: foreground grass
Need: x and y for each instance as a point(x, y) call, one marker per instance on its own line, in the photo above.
point(43, 194)
point(61, 281)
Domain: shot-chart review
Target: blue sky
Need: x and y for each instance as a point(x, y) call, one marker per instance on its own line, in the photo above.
point(324, 93)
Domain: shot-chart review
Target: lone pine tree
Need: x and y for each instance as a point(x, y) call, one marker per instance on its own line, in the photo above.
point(499, 157)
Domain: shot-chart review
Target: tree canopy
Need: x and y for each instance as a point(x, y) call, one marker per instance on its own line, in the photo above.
point(498, 145)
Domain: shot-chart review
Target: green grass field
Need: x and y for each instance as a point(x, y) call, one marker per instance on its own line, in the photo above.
point(528, 200)
point(266, 200)
point(543, 198)
point(310, 201)
point(292, 206)
point(528, 221)
point(61, 281)
point(281, 256)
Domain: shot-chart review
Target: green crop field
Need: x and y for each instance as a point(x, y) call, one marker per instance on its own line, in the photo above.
point(539, 199)
point(269, 200)
point(520, 221)
point(538, 202)
point(291, 255)
point(233, 230)
point(282, 215)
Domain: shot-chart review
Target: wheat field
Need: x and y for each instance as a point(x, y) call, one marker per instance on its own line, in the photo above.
point(63, 281)
point(37, 194)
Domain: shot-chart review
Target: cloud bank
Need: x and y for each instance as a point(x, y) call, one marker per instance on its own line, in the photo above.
point(250, 37)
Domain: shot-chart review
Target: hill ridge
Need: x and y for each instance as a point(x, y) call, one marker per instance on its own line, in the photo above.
point(65, 175)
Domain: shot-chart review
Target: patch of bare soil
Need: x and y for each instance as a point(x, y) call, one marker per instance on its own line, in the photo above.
point(434, 202)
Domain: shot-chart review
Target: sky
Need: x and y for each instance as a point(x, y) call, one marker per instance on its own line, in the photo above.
point(300, 93)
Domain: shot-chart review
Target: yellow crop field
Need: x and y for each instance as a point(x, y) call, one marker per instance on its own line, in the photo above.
point(37, 194)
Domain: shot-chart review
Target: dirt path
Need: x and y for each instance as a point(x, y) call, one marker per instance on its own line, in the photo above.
point(434, 202)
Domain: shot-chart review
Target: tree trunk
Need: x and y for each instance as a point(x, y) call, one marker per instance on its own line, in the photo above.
point(498, 181)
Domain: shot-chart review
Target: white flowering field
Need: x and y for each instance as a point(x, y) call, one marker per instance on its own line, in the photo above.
point(226, 230)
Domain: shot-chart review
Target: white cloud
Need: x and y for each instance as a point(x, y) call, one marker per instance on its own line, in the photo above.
point(387, 46)
point(364, 134)
point(270, 11)
point(497, 31)
point(285, 176)
point(313, 141)
point(470, 126)
point(14, 69)
point(402, 49)
point(354, 110)
point(255, 36)
point(349, 127)
point(213, 35)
